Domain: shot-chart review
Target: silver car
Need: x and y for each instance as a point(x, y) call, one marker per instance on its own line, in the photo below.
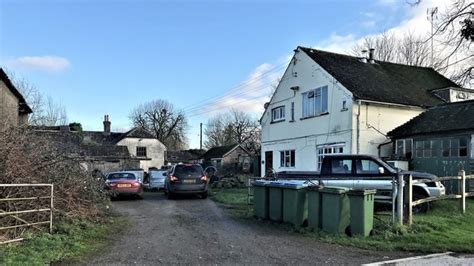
point(157, 179)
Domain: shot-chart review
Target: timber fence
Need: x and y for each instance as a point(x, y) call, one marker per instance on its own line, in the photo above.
point(25, 208)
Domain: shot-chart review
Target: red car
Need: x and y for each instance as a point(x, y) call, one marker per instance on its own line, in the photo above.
point(124, 184)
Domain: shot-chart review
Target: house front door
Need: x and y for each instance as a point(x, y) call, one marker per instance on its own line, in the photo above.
point(268, 162)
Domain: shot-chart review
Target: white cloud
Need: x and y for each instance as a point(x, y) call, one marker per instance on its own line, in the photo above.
point(368, 23)
point(252, 93)
point(47, 63)
point(415, 22)
point(337, 43)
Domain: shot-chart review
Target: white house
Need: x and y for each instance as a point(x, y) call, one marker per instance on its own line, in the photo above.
point(330, 103)
point(141, 144)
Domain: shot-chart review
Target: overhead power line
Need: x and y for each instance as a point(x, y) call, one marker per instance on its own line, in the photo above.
point(234, 91)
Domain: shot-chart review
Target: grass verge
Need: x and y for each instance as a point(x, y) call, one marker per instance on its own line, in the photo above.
point(72, 241)
point(442, 229)
point(234, 199)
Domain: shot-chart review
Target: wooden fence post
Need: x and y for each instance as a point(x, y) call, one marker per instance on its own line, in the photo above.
point(409, 184)
point(463, 191)
point(51, 210)
point(400, 199)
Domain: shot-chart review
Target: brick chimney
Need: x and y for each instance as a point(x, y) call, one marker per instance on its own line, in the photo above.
point(106, 125)
point(371, 55)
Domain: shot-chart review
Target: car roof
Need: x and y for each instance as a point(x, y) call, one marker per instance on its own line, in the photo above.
point(122, 172)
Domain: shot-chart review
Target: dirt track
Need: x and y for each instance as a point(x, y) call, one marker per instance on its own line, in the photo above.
point(191, 230)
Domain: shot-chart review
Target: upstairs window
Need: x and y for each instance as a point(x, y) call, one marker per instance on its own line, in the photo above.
point(315, 102)
point(141, 151)
point(278, 114)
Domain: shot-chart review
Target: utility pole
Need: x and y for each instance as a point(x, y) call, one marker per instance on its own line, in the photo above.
point(200, 136)
point(431, 14)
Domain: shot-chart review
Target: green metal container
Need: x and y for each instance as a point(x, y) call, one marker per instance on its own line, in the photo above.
point(295, 203)
point(260, 199)
point(314, 208)
point(336, 215)
point(362, 211)
point(275, 201)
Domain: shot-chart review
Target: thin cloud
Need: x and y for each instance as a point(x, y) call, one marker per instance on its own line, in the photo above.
point(251, 96)
point(46, 63)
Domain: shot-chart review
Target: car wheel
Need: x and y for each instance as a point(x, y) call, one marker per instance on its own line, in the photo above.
point(170, 195)
point(421, 208)
point(204, 195)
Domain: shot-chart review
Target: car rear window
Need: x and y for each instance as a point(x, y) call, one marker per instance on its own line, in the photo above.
point(115, 176)
point(194, 170)
point(157, 174)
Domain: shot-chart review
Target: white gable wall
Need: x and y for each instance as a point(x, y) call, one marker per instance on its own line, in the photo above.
point(305, 135)
point(339, 127)
point(154, 148)
point(376, 120)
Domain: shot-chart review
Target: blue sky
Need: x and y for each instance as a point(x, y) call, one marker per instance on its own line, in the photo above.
point(106, 57)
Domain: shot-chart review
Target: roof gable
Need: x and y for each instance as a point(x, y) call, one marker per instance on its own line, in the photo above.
point(454, 116)
point(23, 106)
point(138, 132)
point(219, 152)
point(382, 81)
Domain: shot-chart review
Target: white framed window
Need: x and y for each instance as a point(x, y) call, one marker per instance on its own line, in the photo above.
point(404, 148)
point(287, 158)
point(424, 148)
point(323, 150)
point(278, 114)
point(315, 102)
point(455, 147)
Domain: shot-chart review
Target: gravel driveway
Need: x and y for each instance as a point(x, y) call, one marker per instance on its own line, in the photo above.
point(191, 230)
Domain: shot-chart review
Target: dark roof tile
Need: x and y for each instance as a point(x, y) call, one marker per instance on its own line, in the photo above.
point(383, 81)
point(218, 152)
point(450, 117)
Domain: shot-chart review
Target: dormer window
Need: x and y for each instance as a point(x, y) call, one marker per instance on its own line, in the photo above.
point(278, 114)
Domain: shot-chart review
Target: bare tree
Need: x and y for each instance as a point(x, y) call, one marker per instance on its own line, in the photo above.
point(46, 111)
point(455, 32)
point(383, 45)
point(453, 35)
point(233, 127)
point(162, 118)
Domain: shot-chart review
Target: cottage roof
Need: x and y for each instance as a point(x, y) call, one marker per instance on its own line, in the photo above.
point(114, 137)
point(23, 106)
point(219, 152)
point(184, 155)
point(383, 81)
point(449, 117)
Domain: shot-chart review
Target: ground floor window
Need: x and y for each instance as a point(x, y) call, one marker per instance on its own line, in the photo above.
point(323, 150)
point(444, 147)
point(403, 148)
point(287, 158)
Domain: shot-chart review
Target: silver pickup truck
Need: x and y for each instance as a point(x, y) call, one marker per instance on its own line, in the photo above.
point(366, 172)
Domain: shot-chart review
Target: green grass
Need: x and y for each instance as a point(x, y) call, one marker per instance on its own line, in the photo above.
point(71, 242)
point(232, 198)
point(442, 229)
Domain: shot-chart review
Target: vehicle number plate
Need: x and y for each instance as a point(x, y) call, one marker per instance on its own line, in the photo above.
point(124, 185)
point(188, 181)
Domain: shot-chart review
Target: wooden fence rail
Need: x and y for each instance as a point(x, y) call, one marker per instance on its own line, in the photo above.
point(461, 196)
point(24, 223)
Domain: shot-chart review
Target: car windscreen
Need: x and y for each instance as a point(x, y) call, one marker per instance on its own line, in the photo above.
point(115, 176)
point(186, 170)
